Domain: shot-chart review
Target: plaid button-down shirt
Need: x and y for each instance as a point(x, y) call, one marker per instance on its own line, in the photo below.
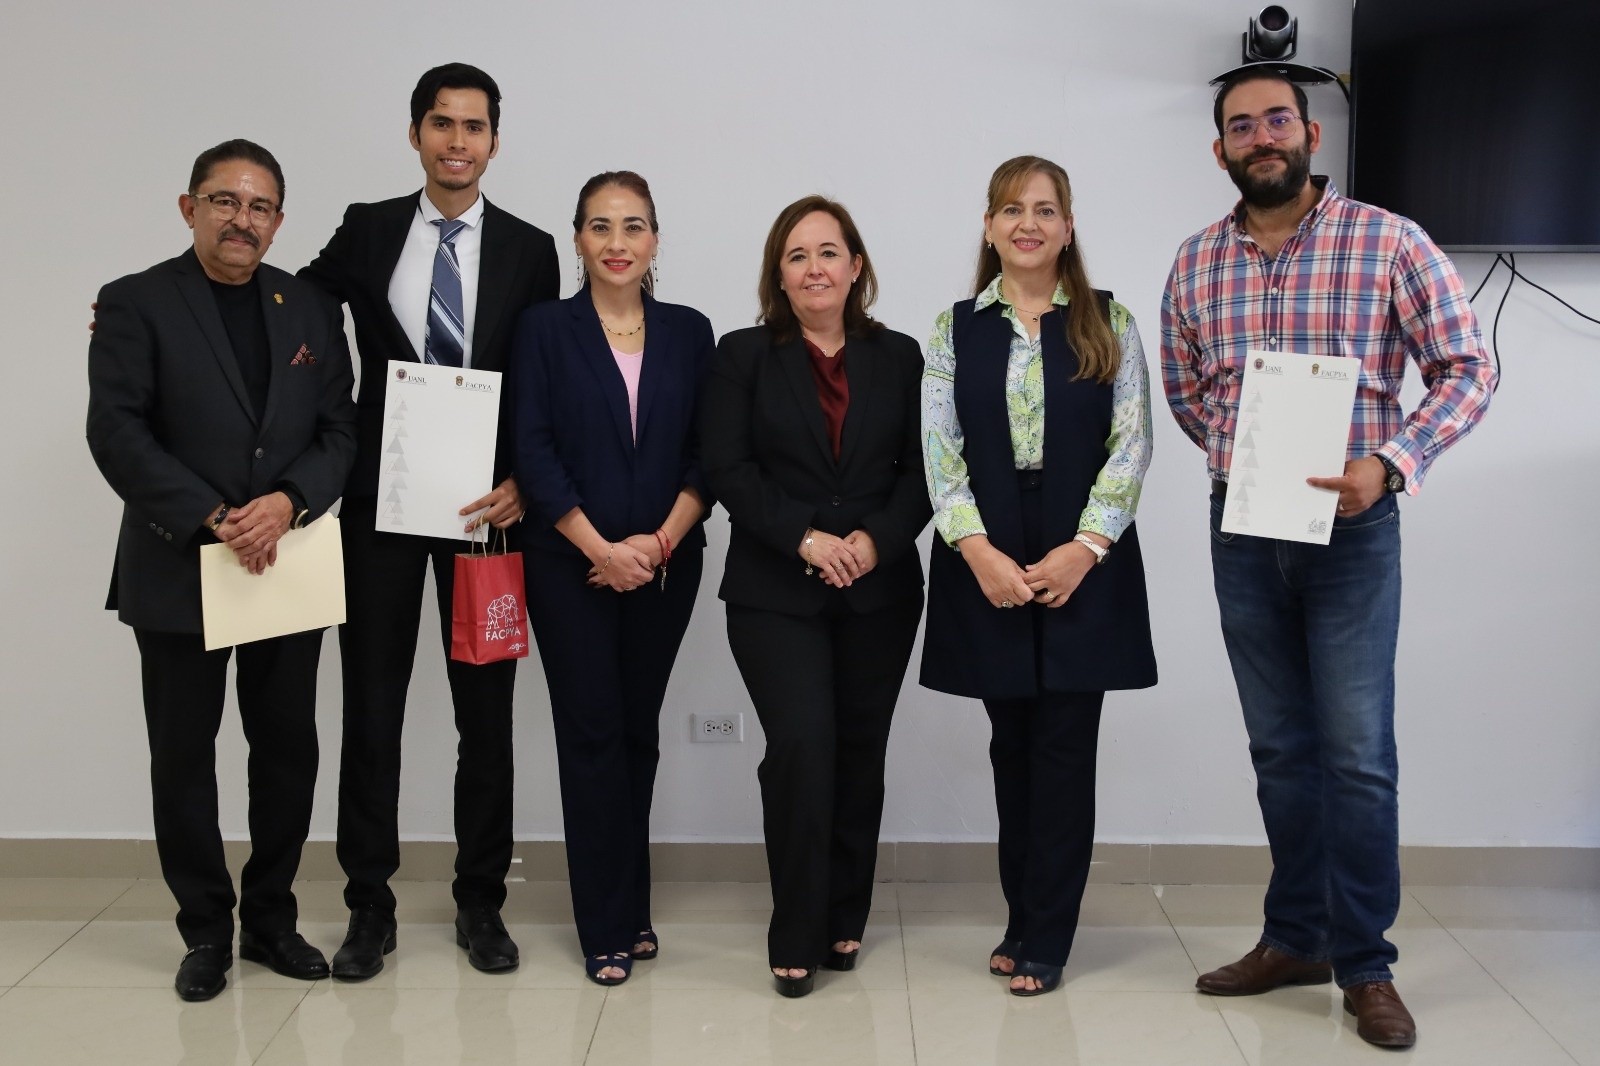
point(1353, 280)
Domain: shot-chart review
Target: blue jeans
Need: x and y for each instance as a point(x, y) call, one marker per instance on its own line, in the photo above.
point(1310, 632)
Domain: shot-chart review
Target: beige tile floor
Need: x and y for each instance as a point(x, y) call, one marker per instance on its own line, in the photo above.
point(1505, 977)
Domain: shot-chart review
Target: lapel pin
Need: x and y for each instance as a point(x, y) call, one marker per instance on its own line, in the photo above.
point(278, 296)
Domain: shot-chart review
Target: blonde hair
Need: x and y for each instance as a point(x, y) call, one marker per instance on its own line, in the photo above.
point(1088, 328)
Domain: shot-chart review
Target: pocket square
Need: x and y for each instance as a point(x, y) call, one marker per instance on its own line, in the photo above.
point(303, 357)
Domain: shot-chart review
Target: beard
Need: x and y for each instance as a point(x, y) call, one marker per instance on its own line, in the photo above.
point(1267, 191)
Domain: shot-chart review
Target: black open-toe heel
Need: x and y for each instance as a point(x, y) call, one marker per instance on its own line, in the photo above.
point(592, 965)
point(1047, 976)
point(646, 936)
point(842, 961)
point(795, 987)
point(1006, 949)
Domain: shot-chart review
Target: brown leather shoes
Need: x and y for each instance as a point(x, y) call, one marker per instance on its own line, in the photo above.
point(1381, 1018)
point(1261, 971)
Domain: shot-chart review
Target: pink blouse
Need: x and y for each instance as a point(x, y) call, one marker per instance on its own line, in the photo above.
point(629, 364)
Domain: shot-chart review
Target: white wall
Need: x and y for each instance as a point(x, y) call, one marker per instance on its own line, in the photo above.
point(731, 110)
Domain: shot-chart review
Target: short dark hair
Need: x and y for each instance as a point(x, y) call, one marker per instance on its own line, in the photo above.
point(229, 151)
point(1257, 73)
point(776, 312)
point(454, 76)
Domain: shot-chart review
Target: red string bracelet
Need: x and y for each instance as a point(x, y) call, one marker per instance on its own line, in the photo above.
point(666, 555)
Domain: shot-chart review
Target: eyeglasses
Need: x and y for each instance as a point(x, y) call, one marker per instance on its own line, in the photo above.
point(1241, 131)
point(226, 207)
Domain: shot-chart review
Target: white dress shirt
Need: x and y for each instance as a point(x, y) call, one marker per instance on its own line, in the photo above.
point(411, 285)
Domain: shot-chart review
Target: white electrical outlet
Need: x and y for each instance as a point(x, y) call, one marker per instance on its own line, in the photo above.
point(717, 728)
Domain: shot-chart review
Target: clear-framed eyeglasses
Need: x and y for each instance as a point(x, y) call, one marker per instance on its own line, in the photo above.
point(1280, 126)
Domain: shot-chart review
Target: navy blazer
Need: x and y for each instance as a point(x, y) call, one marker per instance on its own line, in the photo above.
point(769, 459)
point(173, 430)
point(516, 268)
point(574, 444)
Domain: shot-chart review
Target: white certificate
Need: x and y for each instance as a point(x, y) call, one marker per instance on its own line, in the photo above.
point(303, 590)
point(1294, 423)
point(439, 426)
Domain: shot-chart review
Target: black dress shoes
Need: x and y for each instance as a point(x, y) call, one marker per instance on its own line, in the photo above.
point(286, 953)
point(203, 973)
point(368, 939)
point(489, 947)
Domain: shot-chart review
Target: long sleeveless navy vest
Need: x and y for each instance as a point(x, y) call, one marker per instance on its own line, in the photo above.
point(1100, 640)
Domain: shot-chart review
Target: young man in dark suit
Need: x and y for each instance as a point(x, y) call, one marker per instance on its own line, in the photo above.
point(219, 410)
point(382, 262)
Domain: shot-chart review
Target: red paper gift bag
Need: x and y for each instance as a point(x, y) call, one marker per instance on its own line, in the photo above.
point(487, 622)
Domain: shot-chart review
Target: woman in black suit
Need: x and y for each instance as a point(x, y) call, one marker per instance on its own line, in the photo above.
point(1036, 419)
point(606, 388)
point(810, 439)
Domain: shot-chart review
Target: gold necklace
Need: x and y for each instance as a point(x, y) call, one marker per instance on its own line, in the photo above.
point(615, 333)
point(1035, 314)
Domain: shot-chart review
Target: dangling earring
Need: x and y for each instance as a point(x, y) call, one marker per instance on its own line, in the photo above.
point(655, 272)
point(583, 275)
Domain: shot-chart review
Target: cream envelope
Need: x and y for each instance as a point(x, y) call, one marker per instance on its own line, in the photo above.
point(303, 590)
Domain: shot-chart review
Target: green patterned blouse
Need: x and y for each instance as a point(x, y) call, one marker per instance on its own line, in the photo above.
point(1115, 495)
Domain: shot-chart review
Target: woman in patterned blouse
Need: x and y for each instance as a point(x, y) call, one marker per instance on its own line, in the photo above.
point(1036, 598)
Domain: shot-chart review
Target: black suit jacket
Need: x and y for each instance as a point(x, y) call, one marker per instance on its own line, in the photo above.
point(765, 448)
point(516, 268)
point(575, 446)
point(172, 428)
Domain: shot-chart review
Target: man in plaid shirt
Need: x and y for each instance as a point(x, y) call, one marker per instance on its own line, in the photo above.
point(1311, 630)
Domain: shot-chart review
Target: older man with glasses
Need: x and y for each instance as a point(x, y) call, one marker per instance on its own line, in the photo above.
point(1310, 630)
point(220, 411)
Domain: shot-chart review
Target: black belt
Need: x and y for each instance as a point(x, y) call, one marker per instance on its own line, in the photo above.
point(1219, 488)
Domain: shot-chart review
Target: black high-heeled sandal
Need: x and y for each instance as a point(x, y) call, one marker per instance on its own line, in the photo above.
point(1047, 976)
point(646, 936)
point(842, 961)
point(1006, 949)
point(621, 960)
point(795, 987)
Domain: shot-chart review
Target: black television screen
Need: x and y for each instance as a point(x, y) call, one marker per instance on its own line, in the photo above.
point(1480, 120)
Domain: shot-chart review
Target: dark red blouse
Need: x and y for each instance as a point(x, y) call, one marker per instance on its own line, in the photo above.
point(833, 390)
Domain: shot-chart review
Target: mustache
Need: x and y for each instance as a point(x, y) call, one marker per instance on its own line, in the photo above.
point(1265, 153)
point(232, 232)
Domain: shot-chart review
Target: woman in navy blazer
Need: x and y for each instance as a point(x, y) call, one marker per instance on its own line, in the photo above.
point(606, 386)
point(810, 435)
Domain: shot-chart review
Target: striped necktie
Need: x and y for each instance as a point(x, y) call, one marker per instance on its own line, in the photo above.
point(447, 332)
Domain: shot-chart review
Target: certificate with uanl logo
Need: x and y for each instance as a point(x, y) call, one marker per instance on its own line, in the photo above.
point(1294, 423)
point(439, 425)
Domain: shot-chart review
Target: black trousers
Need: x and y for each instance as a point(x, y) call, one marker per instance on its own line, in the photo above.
point(184, 689)
point(1043, 751)
point(824, 687)
point(384, 575)
point(607, 659)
